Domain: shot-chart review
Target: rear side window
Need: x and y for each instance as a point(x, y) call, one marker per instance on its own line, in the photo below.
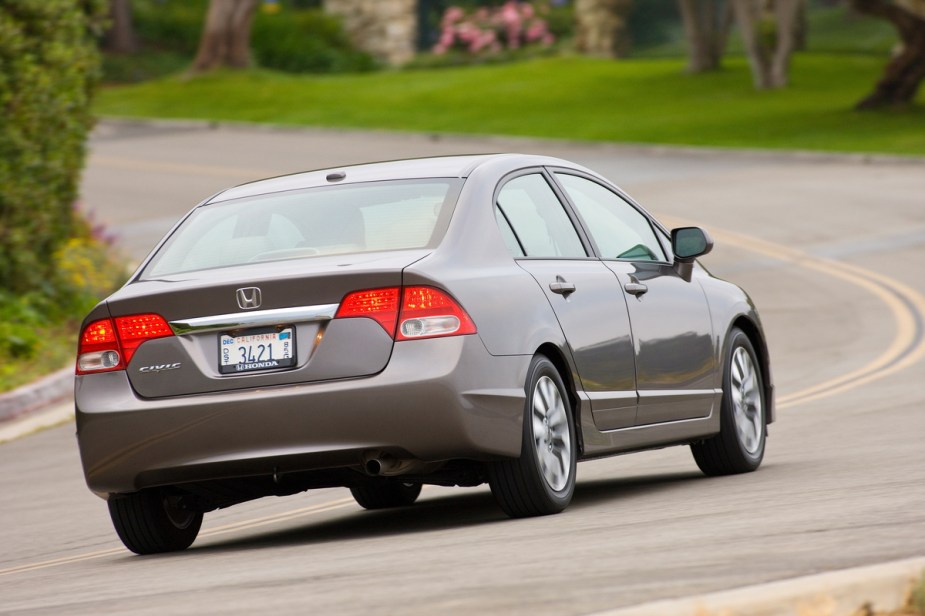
point(392, 215)
point(537, 220)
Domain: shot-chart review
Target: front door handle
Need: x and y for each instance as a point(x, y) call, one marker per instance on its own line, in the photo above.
point(561, 287)
point(635, 288)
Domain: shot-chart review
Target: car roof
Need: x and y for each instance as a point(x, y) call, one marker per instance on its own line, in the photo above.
point(408, 169)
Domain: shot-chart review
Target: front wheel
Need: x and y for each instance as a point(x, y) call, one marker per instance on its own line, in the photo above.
point(739, 446)
point(542, 480)
point(153, 521)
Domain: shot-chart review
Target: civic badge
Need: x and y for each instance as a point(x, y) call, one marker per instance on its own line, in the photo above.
point(248, 298)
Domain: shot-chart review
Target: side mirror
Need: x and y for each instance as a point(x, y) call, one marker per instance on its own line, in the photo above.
point(688, 243)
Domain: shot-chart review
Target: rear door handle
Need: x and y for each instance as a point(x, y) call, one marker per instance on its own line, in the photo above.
point(561, 287)
point(635, 288)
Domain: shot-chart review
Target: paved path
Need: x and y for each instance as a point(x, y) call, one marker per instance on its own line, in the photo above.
point(837, 274)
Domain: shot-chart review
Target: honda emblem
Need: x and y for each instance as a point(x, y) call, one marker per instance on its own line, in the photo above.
point(248, 298)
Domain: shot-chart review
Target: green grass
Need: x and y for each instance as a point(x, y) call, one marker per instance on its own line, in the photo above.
point(644, 101)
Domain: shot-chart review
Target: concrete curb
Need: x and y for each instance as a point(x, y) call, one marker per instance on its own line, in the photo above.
point(851, 592)
point(506, 141)
point(37, 395)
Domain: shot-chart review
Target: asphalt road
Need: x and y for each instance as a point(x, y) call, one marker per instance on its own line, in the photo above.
point(833, 253)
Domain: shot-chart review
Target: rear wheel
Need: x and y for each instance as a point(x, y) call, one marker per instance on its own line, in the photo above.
point(542, 480)
point(386, 494)
point(153, 521)
point(739, 446)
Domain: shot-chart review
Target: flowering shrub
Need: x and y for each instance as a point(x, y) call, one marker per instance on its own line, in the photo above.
point(486, 31)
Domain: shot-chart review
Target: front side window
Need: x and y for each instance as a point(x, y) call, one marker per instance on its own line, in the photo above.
point(619, 230)
point(351, 218)
point(537, 220)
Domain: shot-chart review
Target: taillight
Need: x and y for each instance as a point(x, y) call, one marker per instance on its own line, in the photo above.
point(423, 312)
point(106, 345)
point(381, 305)
point(98, 349)
point(135, 329)
point(430, 313)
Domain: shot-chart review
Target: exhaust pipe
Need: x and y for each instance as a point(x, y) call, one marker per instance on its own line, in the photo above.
point(382, 466)
point(378, 463)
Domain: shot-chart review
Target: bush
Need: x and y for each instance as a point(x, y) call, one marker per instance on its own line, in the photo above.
point(290, 39)
point(48, 67)
point(306, 41)
point(169, 25)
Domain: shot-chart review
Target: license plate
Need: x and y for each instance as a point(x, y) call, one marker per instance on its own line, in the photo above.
point(257, 349)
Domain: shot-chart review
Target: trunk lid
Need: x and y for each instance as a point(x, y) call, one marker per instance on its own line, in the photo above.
point(297, 297)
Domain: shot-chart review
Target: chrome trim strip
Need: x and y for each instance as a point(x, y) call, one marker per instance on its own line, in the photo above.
point(238, 320)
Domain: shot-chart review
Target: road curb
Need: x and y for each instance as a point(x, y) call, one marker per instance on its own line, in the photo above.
point(849, 592)
point(37, 395)
point(803, 156)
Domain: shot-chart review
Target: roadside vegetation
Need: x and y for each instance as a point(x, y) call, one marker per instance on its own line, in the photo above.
point(53, 264)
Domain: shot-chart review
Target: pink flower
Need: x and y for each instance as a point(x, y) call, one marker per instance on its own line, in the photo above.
point(536, 31)
point(451, 16)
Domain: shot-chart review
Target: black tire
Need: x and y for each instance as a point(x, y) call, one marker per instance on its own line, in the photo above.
point(739, 446)
point(534, 485)
point(386, 494)
point(152, 521)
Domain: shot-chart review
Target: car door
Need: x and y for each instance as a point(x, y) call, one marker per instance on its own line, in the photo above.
point(670, 318)
point(583, 292)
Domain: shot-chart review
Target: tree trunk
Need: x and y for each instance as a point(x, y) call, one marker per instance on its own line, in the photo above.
point(768, 56)
point(225, 40)
point(904, 74)
point(600, 27)
point(749, 14)
point(120, 37)
point(706, 27)
point(787, 13)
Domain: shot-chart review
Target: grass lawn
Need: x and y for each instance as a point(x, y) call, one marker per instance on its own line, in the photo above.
point(642, 100)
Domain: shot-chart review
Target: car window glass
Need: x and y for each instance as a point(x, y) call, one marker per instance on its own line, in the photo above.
point(619, 230)
point(538, 219)
point(296, 224)
point(507, 234)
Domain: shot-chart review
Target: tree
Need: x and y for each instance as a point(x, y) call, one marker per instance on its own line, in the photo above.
point(769, 33)
point(120, 37)
point(225, 40)
point(904, 73)
point(601, 27)
point(706, 27)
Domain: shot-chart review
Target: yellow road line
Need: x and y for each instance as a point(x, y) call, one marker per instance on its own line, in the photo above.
point(212, 532)
point(278, 517)
point(906, 305)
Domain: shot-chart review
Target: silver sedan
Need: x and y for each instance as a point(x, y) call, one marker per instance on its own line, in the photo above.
point(449, 321)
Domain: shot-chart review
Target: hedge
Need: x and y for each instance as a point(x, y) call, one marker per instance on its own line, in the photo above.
point(48, 67)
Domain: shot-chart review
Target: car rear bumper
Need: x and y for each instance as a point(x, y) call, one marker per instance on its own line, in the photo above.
point(437, 399)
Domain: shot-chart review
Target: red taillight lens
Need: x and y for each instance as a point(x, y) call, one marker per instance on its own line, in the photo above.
point(98, 349)
point(98, 332)
point(427, 312)
point(380, 305)
point(423, 312)
point(135, 329)
point(105, 346)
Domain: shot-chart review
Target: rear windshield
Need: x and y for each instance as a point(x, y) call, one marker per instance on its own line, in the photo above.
point(351, 218)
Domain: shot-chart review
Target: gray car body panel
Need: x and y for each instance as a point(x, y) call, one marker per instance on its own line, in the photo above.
point(457, 398)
